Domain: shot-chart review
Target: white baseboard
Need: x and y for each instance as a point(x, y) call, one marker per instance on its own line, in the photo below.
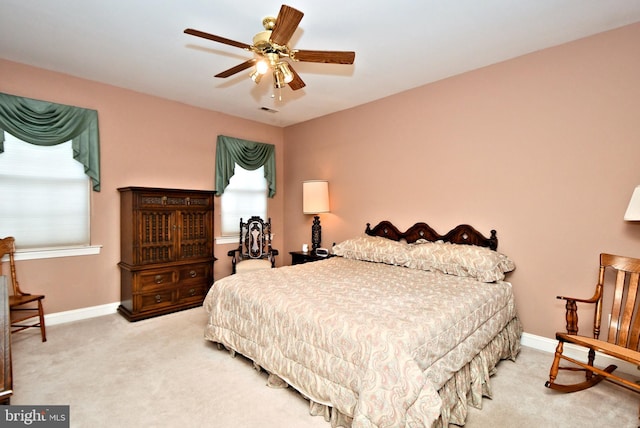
point(81, 314)
point(540, 343)
point(549, 345)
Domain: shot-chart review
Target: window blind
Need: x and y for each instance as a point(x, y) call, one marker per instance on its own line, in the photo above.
point(45, 195)
point(245, 196)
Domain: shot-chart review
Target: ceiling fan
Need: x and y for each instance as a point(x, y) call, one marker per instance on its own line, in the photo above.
point(271, 51)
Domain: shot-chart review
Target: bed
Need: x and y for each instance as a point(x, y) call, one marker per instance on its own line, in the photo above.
point(396, 329)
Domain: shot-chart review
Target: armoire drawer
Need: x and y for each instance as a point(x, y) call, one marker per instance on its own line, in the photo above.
point(195, 273)
point(153, 301)
point(155, 279)
point(194, 293)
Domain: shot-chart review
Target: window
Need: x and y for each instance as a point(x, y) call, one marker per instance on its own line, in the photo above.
point(245, 196)
point(45, 195)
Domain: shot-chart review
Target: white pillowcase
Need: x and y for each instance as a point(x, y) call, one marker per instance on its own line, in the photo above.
point(374, 249)
point(481, 263)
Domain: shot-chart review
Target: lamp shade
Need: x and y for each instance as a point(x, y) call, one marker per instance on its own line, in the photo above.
point(315, 196)
point(633, 210)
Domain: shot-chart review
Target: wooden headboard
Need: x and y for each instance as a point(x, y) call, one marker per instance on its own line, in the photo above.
point(462, 234)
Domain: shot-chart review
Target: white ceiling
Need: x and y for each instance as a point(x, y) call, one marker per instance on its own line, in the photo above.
point(399, 45)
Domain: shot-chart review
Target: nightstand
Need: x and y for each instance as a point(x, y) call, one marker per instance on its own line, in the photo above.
point(299, 257)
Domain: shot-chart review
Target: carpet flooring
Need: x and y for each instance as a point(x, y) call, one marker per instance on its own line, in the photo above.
point(162, 373)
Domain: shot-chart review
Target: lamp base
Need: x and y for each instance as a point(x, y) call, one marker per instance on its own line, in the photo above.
point(316, 233)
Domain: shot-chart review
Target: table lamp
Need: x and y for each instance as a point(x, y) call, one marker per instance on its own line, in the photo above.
point(633, 210)
point(315, 200)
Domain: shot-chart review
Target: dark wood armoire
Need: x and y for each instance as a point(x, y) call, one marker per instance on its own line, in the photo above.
point(166, 250)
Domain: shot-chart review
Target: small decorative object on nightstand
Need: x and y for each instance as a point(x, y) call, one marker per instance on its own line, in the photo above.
point(300, 257)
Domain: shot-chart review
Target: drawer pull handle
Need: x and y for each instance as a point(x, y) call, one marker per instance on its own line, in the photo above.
point(158, 279)
point(192, 292)
point(158, 298)
point(193, 273)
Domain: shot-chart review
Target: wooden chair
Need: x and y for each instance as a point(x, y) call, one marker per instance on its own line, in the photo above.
point(618, 282)
point(6, 374)
point(21, 304)
point(254, 251)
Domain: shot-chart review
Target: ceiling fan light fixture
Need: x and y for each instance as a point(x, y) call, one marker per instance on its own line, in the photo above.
point(256, 76)
point(262, 67)
point(287, 75)
point(278, 79)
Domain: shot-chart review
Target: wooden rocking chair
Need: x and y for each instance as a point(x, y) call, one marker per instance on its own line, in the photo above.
point(622, 330)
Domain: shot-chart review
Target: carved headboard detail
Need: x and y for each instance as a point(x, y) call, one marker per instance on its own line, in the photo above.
point(461, 234)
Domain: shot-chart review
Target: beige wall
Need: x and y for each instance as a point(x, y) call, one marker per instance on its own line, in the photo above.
point(144, 141)
point(544, 148)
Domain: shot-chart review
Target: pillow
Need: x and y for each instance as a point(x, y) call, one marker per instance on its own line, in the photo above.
point(374, 249)
point(480, 263)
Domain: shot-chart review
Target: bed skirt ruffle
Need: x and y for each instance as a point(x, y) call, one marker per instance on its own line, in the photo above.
point(473, 382)
point(467, 387)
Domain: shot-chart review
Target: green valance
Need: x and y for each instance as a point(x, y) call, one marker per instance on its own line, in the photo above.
point(46, 124)
point(249, 155)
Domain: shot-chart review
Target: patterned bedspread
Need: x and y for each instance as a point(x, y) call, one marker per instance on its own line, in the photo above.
point(374, 341)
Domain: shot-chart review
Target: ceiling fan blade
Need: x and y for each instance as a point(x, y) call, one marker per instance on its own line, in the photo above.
point(238, 68)
point(297, 82)
point(331, 57)
point(286, 24)
point(218, 39)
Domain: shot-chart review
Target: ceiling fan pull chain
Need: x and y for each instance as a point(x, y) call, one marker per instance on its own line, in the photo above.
point(273, 95)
